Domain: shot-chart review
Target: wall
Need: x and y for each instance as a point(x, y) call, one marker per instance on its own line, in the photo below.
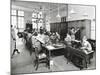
point(28, 16)
point(81, 12)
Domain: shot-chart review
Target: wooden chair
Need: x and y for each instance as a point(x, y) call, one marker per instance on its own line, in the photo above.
point(41, 58)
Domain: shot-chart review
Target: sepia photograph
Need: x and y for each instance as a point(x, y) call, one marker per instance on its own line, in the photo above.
point(52, 37)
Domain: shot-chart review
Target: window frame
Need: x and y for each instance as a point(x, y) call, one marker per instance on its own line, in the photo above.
point(37, 18)
point(17, 16)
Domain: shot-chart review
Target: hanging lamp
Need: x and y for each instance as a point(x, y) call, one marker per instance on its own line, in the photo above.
point(58, 15)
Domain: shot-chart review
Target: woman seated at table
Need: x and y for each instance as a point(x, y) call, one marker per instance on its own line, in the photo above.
point(86, 46)
point(68, 39)
point(74, 42)
point(53, 38)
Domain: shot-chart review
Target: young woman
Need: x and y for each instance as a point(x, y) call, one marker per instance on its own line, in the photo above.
point(68, 39)
point(73, 32)
point(86, 46)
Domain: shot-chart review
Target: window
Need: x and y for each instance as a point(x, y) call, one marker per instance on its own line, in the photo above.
point(20, 22)
point(93, 30)
point(37, 20)
point(14, 12)
point(20, 19)
point(14, 20)
point(20, 13)
point(17, 18)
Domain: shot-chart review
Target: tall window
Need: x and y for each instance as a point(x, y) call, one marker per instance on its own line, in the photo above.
point(37, 20)
point(14, 18)
point(93, 30)
point(17, 18)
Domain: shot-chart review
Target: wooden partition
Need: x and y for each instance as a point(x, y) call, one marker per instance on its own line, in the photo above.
point(63, 27)
point(60, 27)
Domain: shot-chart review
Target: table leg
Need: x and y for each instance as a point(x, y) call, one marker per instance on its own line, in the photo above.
point(49, 57)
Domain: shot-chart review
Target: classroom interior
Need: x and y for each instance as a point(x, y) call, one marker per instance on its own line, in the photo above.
point(54, 33)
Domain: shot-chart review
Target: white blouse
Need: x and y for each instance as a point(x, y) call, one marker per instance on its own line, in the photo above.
point(86, 45)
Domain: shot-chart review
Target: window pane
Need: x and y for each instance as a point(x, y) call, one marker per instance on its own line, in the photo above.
point(39, 25)
point(40, 21)
point(92, 34)
point(40, 15)
point(20, 13)
point(13, 20)
point(34, 15)
point(93, 30)
point(14, 12)
point(20, 22)
point(34, 25)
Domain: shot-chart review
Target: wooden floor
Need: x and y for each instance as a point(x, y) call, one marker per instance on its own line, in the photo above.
point(24, 63)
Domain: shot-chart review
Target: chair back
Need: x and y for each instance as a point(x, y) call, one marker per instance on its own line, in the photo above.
point(20, 34)
point(38, 45)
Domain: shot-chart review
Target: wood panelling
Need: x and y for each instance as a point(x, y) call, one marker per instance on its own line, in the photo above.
point(63, 27)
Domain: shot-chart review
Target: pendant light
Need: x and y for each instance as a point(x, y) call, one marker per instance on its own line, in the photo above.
point(58, 15)
point(72, 11)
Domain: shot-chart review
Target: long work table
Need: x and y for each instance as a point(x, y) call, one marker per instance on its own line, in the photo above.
point(78, 57)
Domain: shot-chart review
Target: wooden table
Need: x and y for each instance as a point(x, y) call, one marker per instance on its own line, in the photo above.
point(53, 47)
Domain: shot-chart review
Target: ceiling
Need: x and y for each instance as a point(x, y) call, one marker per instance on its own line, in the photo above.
point(52, 8)
point(44, 6)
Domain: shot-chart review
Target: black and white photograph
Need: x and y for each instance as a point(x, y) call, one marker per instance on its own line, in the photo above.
point(52, 37)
